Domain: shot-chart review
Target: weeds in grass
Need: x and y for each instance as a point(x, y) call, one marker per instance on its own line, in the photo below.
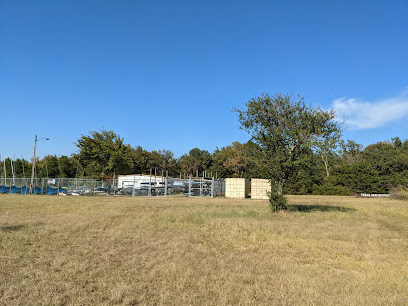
point(399, 193)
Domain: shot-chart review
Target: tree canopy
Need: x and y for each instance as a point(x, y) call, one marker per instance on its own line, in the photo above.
point(282, 125)
point(103, 152)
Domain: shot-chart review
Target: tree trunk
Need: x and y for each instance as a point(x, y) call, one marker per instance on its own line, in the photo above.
point(280, 186)
point(326, 164)
point(277, 200)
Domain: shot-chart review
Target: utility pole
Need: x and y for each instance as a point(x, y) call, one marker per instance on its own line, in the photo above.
point(32, 170)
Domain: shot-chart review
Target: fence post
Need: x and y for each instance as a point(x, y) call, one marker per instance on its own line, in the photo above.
point(189, 185)
point(150, 184)
point(95, 188)
point(42, 185)
point(165, 187)
point(212, 187)
point(133, 188)
point(201, 186)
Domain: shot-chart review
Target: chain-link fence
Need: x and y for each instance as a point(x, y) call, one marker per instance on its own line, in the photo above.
point(56, 186)
point(200, 187)
point(147, 186)
point(152, 186)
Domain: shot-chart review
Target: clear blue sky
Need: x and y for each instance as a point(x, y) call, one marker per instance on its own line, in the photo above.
point(167, 74)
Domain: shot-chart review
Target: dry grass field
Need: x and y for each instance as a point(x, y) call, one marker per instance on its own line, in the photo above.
point(110, 250)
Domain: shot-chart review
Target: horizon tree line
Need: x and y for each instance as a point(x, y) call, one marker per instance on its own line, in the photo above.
point(351, 168)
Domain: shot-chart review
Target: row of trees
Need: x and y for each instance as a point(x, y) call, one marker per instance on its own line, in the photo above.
point(104, 153)
point(296, 147)
point(49, 166)
point(351, 169)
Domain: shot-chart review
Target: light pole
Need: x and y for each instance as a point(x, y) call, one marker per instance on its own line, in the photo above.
point(32, 171)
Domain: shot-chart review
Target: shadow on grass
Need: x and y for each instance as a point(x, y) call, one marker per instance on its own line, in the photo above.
point(12, 228)
point(324, 208)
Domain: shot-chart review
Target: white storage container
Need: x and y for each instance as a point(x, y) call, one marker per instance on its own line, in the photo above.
point(236, 188)
point(259, 189)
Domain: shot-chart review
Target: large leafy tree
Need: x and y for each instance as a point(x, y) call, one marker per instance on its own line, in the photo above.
point(282, 125)
point(390, 160)
point(326, 149)
point(350, 152)
point(105, 153)
point(67, 166)
point(308, 174)
point(195, 161)
point(50, 167)
point(140, 159)
point(161, 160)
point(236, 160)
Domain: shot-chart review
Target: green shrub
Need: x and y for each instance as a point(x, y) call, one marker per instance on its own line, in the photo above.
point(328, 188)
